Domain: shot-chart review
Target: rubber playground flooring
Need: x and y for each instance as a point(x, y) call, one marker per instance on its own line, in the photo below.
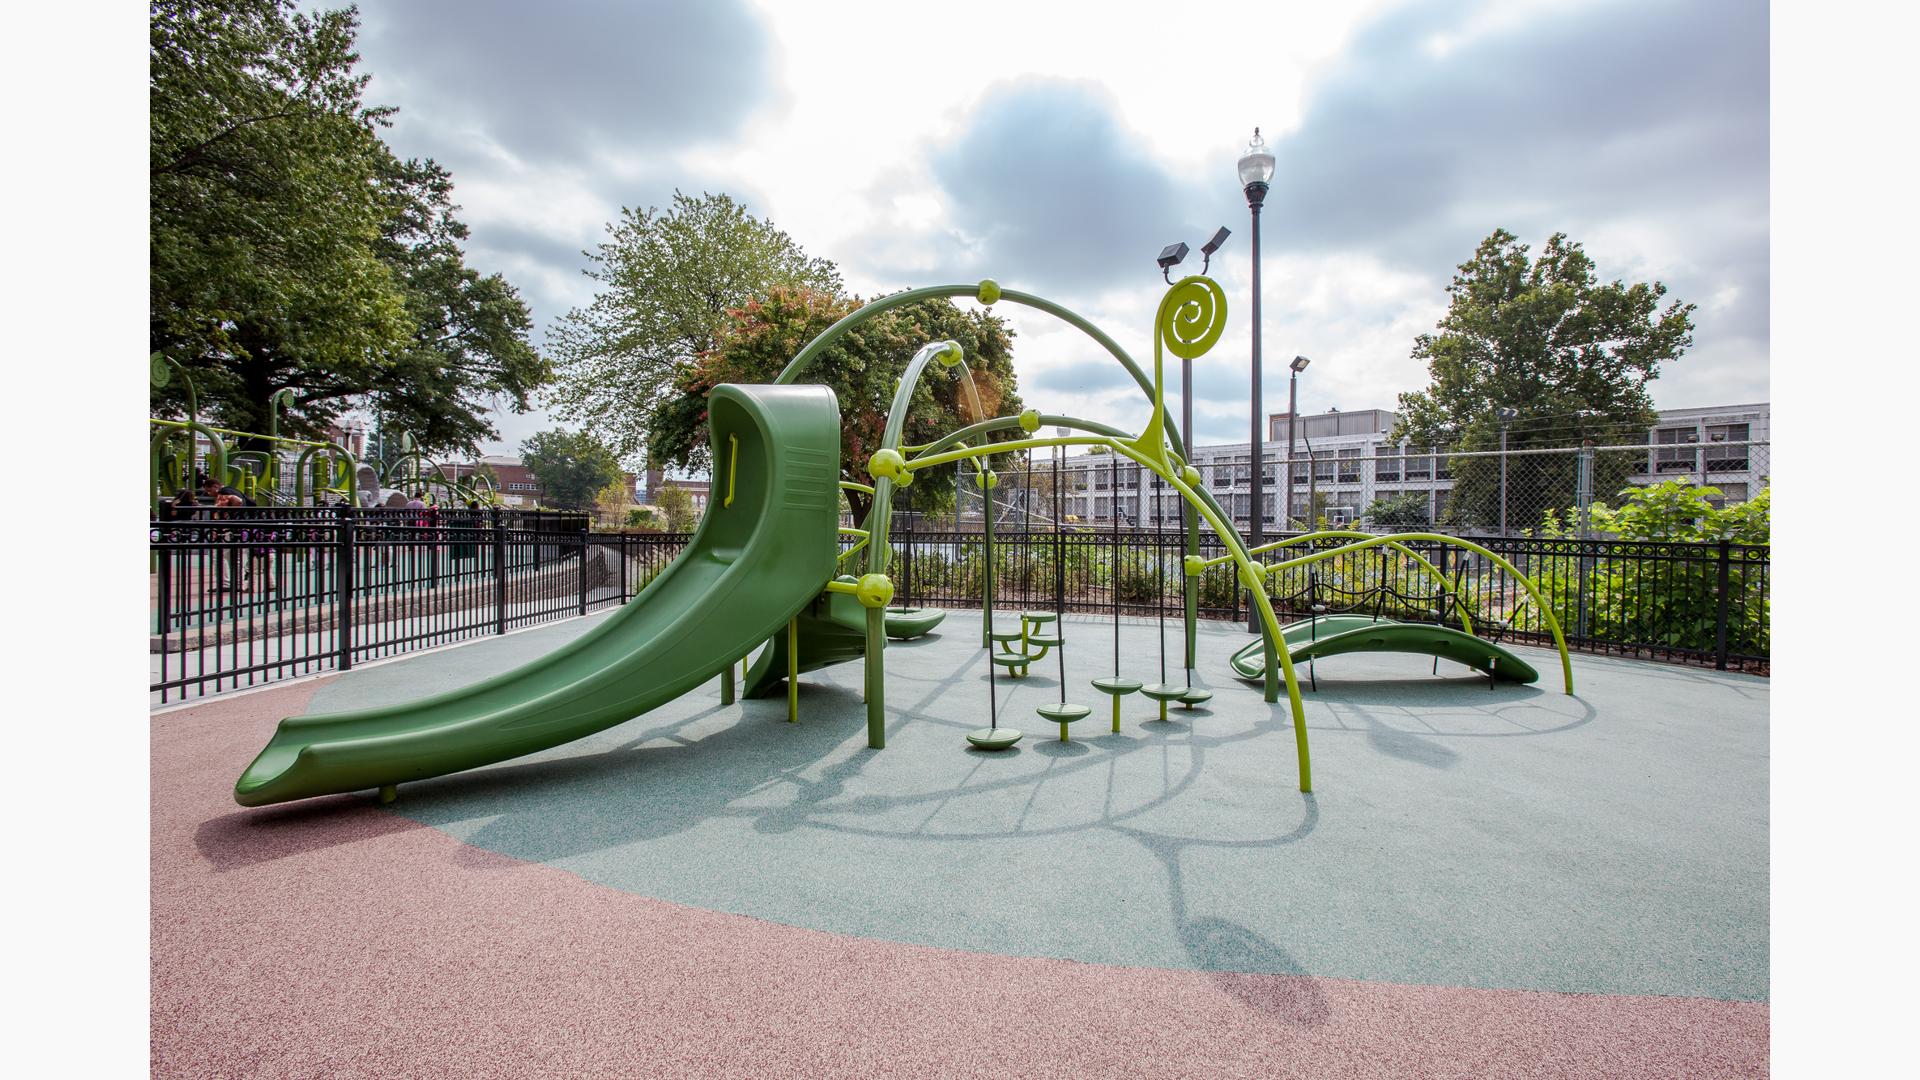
point(1487, 881)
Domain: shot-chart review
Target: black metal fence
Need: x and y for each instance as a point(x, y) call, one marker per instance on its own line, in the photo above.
point(255, 595)
point(258, 595)
point(1703, 603)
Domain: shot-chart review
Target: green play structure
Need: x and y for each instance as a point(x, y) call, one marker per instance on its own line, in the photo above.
point(765, 569)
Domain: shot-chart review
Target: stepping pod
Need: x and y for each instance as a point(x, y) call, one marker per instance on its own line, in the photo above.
point(1116, 687)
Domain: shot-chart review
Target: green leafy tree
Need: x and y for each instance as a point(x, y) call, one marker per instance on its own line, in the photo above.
point(666, 283)
point(289, 249)
point(1546, 338)
point(1408, 510)
point(677, 504)
point(467, 348)
point(570, 467)
point(864, 367)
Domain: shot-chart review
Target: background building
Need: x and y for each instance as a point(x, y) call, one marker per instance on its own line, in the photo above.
point(1344, 464)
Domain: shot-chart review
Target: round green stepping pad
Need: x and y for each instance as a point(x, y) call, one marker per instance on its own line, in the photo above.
point(993, 738)
point(1037, 616)
point(1049, 640)
point(1164, 691)
point(1115, 685)
point(1006, 635)
point(1012, 660)
point(1062, 712)
point(1196, 696)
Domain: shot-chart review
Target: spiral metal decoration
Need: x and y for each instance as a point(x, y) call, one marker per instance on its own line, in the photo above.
point(1192, 316)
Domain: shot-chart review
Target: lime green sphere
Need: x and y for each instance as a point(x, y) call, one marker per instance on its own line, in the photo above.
point(951, 354)
point(1030, 420)
point(874, 591)
point(989, 290)
point(887, 464)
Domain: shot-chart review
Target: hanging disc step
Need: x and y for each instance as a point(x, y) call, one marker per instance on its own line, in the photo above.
point(993, 738)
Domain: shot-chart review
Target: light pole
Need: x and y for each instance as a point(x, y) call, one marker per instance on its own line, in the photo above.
point(1298, 365)
point(1256, 168)
point(1506, 413)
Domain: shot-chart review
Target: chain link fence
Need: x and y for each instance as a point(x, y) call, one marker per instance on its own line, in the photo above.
point(1531, 492)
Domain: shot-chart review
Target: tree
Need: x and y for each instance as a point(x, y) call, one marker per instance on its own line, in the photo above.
point(467, 345)
point(1572, 356)
point(613, 504)
point(570, 467)
point(864, 367)
point(1408, 510)
point(291, 250)
point(667, 281)
point(675, 502)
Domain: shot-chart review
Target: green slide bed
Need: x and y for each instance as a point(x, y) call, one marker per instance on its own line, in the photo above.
point(762, 553)
point(1331, 635)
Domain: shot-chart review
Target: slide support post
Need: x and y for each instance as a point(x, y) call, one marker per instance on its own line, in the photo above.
point(793, 671)
point(876, 678)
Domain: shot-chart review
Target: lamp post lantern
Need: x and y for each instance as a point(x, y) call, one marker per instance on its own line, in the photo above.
point(1256, 168)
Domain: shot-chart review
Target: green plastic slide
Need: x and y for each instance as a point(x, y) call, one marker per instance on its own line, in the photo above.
point(1332, 635)
point(763, 551)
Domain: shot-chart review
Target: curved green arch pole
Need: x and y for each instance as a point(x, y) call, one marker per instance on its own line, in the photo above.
point(1368, 540)
point(156, 447)
point(1190, 320)
point(336, 454)
point(989, 292)
point(1432, 571)
point(1191, 317)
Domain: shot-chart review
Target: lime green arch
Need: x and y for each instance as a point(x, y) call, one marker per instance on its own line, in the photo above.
point(1369, 540)
point(1190, 320)
point(1430, 570)
point(987, 292)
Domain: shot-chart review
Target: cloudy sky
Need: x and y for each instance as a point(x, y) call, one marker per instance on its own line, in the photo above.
point(1058, 153)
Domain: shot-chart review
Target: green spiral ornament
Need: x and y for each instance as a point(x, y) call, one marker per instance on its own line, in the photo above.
point(1193, 314)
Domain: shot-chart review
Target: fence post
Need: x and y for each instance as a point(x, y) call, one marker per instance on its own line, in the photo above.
point(163, 565)
point(343, 599)
point(584, 526)
point(499, 572)
point(623, 569)
point(1720, 631)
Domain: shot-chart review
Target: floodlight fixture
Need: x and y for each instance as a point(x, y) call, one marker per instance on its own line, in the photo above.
point(1299, 364)
point(1207, 249)
point(1170, 257)
point(1506, 413)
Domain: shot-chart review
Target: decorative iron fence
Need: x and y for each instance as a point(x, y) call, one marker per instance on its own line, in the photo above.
point(1704, 603)
point(267, 594)
point(256, 595)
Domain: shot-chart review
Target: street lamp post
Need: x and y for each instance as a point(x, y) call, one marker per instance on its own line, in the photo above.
point(1506, 414)
point(1298, 365)
point(1256, 168)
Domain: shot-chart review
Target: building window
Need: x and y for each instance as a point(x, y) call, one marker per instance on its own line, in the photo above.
point(1674, 450)
point(1386, 469)
point(1350, 466)
point(1721, 452)
point(1419, 465)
